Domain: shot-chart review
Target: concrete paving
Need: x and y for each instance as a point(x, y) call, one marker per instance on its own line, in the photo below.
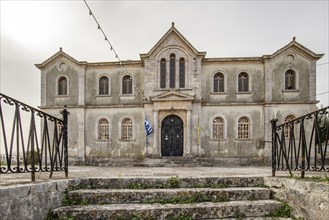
point(96, 171)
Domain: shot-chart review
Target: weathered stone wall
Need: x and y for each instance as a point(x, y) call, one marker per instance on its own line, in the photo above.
point(309, 200)
point(31, 201)
point(231, 69)
point(115, 147)
point(231, 146)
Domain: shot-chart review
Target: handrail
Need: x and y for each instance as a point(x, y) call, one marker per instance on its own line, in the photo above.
point(301, 144)
point(44, 150)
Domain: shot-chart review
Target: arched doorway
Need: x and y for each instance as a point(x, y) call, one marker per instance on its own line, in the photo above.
point(172, 136)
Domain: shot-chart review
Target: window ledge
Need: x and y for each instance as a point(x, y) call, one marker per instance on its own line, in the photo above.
point(172, 89)
point(219, 93)
point(103, 141)
point(102, 96)
point(219, 140)
point(62, 96)
point(127, 140)
point(246, 140)
point(244, 93)
point(291, 90)
point(161, 89)
point(127, 95)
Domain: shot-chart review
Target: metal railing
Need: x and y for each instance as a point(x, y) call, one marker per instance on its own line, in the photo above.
point(38, 145)
point(301, 144)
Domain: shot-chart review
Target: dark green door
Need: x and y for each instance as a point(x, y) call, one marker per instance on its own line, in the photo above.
point(172, 136)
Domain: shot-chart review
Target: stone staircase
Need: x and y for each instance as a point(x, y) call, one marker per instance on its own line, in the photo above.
point(167, 198)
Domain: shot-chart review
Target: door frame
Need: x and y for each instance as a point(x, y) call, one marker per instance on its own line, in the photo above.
point(183, 133)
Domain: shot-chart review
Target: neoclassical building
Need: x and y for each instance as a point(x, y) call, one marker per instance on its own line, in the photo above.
point(198, 107)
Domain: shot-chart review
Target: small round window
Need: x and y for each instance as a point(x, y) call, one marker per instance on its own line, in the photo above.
point(62, 66)
point(290, 58)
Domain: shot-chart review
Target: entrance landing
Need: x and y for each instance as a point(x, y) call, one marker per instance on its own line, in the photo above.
point(95, 171)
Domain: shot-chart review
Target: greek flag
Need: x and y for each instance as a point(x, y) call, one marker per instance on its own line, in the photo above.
point(148, 127)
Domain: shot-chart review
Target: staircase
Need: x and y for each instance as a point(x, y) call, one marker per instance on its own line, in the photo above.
point(167, 198)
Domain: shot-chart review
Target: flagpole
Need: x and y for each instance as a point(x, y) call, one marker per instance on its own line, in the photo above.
point(148, 131)
point(146, 139)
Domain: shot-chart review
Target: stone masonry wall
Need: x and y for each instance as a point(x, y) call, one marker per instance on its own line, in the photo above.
point(31, 201)
point(309, 200)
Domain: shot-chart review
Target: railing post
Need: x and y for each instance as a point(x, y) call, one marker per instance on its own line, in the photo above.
point(32, 147)
point(273, 123)
point(65, 114)
point(302, 175)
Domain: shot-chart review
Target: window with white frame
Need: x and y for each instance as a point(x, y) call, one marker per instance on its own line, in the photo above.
point(243, 128)
point(218, 128)
point(103, 130)
point(127, 129)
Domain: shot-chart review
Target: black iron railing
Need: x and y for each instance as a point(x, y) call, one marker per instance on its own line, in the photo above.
point(301, 144)
point(31, 140)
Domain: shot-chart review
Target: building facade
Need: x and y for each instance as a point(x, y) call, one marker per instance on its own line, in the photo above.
point(197, 106)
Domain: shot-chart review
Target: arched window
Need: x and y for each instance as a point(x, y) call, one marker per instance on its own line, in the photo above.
point(127, 129)
point(218, 128)
point(172, 70)
point(103, 129)
point(62, 85)
point(288, 128)
point(163, 73)
point(243, 82)
point(103, 85)
point(219, 82)
point(182, 73)
point(127, 85)
point(243, 128)
point(290, 80)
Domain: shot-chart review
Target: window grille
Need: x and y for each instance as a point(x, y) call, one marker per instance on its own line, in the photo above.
point(288, 128)
point(218, 128)
point(127, 129)
point(243, 128)
point(103, 129)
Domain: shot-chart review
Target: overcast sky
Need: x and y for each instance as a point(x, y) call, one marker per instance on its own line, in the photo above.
point(32, 31)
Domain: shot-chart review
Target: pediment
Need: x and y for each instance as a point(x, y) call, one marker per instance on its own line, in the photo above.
point(173, 38)
point(59, 55)
point(172, 96)
point(297, 47)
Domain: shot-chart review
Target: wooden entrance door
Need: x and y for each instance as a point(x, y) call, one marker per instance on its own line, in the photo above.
point(172, 136)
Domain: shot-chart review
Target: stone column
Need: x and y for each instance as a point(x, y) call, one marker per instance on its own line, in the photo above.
point(156, 133)
point(188, 133)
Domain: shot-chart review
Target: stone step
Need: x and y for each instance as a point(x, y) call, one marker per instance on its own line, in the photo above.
point(173, 162)
point(253, 218)
point(165, 182)
point(203, 210)
point(180, 195)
